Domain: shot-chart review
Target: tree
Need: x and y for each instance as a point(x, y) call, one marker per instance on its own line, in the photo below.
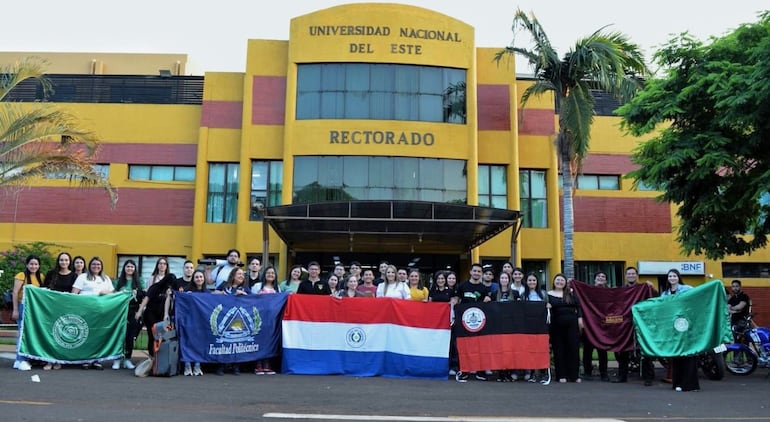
point(39, 138)
point(605, 61)
point(710, 112)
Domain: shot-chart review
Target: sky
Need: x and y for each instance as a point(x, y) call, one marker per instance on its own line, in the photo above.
point(214, 34)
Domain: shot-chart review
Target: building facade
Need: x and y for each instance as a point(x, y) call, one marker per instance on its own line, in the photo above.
point(374, 102)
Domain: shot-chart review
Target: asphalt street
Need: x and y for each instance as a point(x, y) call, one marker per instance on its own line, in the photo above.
point(72, 394)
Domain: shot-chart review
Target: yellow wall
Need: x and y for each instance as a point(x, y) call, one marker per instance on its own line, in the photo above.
point(103, 63)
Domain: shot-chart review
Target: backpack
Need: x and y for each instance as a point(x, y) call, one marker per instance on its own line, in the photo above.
point(166, 348)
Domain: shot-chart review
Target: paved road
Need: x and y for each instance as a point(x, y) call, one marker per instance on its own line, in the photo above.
point(72, 394)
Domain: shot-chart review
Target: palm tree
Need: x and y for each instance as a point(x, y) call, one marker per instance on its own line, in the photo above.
point(39, 138)
point(606, 61)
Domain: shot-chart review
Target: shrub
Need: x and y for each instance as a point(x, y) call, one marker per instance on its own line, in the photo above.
point(13, 261)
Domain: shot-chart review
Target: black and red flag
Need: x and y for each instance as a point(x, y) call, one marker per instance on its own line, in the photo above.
point(501, 335)
point(607, 314)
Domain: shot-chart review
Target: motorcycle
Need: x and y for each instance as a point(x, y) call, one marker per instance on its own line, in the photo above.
point(750, 350)
point(712, 363)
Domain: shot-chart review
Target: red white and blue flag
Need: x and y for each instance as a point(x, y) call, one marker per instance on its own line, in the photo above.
point(323, 335)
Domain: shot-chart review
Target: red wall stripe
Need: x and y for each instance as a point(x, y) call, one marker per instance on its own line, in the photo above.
point(537, 121)
point(222, 114)
point(164, 154)
point(172, 207)
point(494, 107)
point(621, 215)
point(608, 164)
point(268, 100)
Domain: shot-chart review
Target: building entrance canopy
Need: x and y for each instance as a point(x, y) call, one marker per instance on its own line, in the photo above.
point(387, 226)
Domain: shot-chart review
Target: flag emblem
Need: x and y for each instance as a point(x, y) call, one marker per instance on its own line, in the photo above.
point(70, 331)
point(356, 337)
point(236, 325)
point(681, 324)
point(474, 319)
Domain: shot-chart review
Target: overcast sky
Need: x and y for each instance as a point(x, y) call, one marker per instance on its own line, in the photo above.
point(214, 33)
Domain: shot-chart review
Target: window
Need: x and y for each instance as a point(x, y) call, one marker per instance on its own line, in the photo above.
point(338, 178)
point(598, 182)
point(146, 264)
point(102, 169)
point(266, 185)
point(222, 200)
point(534, 209)
point(746, 269)
point(380, 92)
point(162, 173)
point(493, 186)
point(586, 271)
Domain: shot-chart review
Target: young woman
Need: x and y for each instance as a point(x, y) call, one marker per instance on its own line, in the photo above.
point(334, 283)
point(684, 370)
point(566, 323)
point(391, 287)
point(517, 280)
point(62, 277)
point(416, 290)
point(198, 285)
point(93, 282)
point(268, 285)
point(439, 291)
point(254, 266)
point(292, 283)
point(156, 305)
point(451, 282)
point(235, 285)
point(78, 265)
point(30, 275)
point(533, 293)
point(351, 287)
point(506, 293)
point(159, 272)
point(129, 282)
point(186, 278)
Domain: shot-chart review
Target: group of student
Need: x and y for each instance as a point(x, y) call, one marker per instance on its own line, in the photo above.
point(152, 302)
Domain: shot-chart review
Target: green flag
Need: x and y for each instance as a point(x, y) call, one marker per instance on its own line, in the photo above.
point(67, 328)
point(683, 324)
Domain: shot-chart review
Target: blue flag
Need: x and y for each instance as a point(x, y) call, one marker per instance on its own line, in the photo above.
point(227, 328)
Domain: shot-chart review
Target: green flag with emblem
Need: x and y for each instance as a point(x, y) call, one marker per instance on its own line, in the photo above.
point(684, 324)
point(68, 328)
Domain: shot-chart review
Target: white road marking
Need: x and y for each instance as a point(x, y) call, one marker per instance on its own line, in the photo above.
point(426, 418)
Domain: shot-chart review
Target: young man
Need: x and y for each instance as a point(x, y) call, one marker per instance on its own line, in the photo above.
point(738, 304)
point(382, 267)
point(488, 278)
point(222, 270)
point(314, 285)
point(473, 291)
point(623, 358)
point(600, 280)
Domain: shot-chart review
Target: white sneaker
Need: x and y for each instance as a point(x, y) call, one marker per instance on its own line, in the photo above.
point(197, 372)
point(187, 371)
point(24, 366)
point(16, 364)
point(128, 364)
point(116, 364)
point(452, 372)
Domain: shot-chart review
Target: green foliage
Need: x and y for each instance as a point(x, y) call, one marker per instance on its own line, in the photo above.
point(710, 156)
point(606, 61)
point(13, 261)
point(41, 139)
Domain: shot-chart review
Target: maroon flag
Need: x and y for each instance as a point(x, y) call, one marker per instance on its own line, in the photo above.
point(607, 314)
point(501, 335)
